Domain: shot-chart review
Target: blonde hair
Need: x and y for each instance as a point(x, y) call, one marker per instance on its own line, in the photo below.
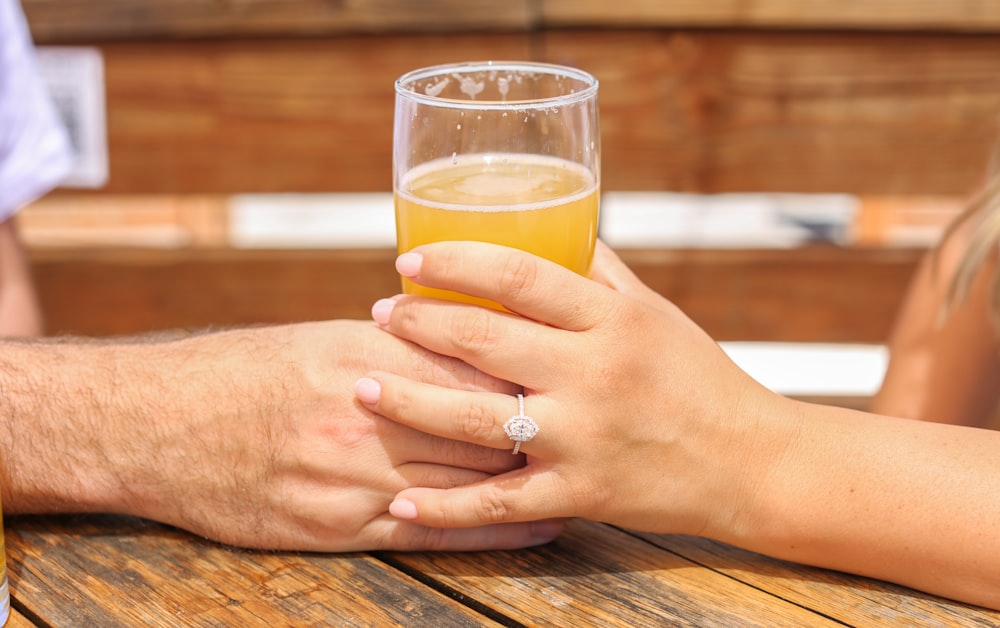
point(984, 211)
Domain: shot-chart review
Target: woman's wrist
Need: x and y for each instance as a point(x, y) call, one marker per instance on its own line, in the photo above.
point(771, 430)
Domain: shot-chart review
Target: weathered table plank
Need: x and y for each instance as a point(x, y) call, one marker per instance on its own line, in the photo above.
point(113, 571)
point(853, 600)
point(17, 620)
point(117, 571)
point(595, 575)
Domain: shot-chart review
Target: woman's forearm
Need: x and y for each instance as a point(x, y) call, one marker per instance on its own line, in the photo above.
point(906, 501)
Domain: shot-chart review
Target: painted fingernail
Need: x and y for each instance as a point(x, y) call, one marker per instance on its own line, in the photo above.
point(382, 310)
point(546, 531)
point(403, 509)
point(368, 390)
point(408, 264)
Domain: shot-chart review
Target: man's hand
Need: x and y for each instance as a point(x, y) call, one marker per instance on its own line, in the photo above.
point(247, 437)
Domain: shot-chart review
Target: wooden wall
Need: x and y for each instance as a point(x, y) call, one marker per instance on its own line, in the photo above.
point(894, 98)
point(868, 97)
point(819, 294)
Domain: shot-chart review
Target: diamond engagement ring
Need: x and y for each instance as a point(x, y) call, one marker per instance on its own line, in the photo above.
point(520, 428)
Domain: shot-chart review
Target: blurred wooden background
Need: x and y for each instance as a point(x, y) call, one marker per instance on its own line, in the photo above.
point(860, 96)
point(878, 98)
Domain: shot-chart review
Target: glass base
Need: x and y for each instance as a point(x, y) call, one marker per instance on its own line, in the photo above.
point(4, 601)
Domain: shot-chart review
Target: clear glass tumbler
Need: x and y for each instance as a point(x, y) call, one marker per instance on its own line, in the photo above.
point(4, 588)
point(506, 152)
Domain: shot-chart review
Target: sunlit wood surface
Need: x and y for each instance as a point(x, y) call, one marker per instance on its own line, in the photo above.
point(113, 571)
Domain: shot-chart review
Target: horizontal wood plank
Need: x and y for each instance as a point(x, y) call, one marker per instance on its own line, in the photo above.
point(839, 596)
point(964, 15)
point(130, 572)
point(213, 221)
point(259, 116)
point(810, 295)
point(98, 20)
point(100, 220)
point(681, 111)
point(620, 580)
point(732, 112)
point(62, 21)
point(17, 620)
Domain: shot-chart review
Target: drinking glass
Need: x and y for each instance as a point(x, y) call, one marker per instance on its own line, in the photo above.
point(506, 152)
point(4, 588)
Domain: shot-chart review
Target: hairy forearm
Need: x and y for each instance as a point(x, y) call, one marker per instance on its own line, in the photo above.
point(56, 403)
point(910, 502)
point(88, 425)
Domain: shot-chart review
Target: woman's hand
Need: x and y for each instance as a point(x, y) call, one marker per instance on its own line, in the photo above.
point(644, 421)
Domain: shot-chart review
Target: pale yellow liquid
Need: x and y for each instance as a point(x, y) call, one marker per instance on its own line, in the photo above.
point(545, 206)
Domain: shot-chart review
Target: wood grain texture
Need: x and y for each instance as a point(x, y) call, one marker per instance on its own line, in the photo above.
point(821, 112)
point(112, 571)
point(107, 570)
point(963, 15)
point(704, 111)
point(17, 620)
point(61, 21)
point(842, 597)
point(96, 220)
point(115, 292)
point(809, 295)
point(266, 116)
point(74, 20)
point(595, 575)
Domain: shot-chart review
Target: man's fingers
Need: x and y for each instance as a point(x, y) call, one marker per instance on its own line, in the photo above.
point(406, 536)
point(513, 497)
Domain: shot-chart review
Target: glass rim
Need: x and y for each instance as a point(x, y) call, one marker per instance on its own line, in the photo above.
point(589, 81)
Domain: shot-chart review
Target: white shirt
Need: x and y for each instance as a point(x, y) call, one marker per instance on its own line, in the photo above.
point(34, 148)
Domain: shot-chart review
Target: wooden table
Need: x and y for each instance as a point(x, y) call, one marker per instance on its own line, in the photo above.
point(117, 571)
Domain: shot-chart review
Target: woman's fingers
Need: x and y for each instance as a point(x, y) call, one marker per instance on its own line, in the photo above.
point(407, 446)
point(392, 533)
point(522, 495)
point(504, 345)
point(610, 270)
point(472, 417)
point(521, 282)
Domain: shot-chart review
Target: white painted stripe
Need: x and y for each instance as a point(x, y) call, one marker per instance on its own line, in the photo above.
point(853, 370)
